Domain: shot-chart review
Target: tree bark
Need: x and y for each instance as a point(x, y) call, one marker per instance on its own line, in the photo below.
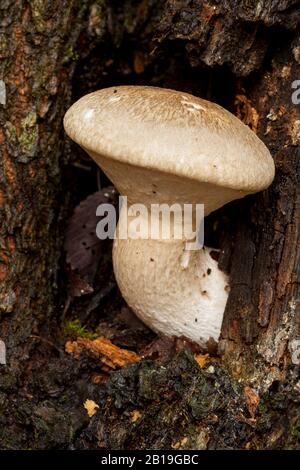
point(244, 55)
point(37, 60)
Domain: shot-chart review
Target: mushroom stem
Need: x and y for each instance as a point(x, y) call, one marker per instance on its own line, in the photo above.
point(173, 290)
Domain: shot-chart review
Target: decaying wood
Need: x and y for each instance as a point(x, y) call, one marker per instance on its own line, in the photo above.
point(244, 55)
point(263, 313)
point(110, 355)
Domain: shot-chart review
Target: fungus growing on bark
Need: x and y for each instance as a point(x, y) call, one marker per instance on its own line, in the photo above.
point(161, 146)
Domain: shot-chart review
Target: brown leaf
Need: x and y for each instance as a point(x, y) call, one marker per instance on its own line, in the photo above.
point(179, 444)
point(135, 415)
point(201, 359)
point(164, 347)
point(91, 407)
point(82, 245)
point(215, 255)
point(128, 317)
point(111, 356)
point(77, 286)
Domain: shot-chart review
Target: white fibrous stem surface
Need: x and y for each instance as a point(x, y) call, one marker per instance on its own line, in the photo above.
point(173, 291)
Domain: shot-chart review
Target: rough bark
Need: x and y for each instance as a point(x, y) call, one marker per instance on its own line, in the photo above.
point(244, 55)
point(37, 59)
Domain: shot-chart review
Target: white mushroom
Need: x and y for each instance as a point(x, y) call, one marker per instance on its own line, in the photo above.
point(163, 146)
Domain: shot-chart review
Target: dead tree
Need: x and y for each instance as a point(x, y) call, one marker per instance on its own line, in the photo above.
point(244, 55)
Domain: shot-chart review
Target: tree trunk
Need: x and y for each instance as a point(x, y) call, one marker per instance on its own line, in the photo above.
point(244, 55)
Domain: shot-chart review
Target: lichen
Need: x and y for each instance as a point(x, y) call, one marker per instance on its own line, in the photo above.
point(29, 134)
point(37, 7)
point(11, 132)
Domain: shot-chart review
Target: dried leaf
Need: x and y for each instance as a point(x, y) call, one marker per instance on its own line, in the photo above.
point(135, 415)
point(91, 407)
point(82, 245)
point(201, 359)
point(215, 254)
point(111, 356)
point(179, 444)
point(164, 347)
point(77, 286)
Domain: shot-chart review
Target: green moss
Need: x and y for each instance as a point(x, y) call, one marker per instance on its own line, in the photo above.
point(3, 46)
point(71, 54)
point(37, 7)
point(11, 132)
point(27, 140)
point(29, 134)
point(74, 329)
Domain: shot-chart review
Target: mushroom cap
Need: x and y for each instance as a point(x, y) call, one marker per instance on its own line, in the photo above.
point(172, 132)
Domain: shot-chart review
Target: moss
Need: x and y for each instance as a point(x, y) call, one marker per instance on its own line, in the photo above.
point(3, 46)
point(28, 137)
point(29, 134)
point(37, 7)
point(74, 329)
point(71, 54)
point(11, 132)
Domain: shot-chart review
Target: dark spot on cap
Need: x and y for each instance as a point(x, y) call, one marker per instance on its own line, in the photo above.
point(115, 91)
point(151, 259)
point(196, 319)
point(208, 271)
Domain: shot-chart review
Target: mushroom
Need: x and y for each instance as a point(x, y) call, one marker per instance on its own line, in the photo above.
point(160, 146)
